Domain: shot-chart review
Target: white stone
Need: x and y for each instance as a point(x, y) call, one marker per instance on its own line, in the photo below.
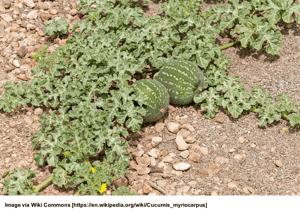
point(16, 63)
point(181, 166)
point(180, 143)
point(29, 3)
point(6, 17)
point(173, 127)
point(32, 15)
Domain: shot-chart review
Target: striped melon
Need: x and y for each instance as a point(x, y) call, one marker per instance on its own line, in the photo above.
point(157, 98)
point(183, 79)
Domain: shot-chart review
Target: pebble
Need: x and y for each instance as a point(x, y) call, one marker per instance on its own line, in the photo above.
point(180, 143)
point(204, 150)
point(38, 111)
point(173, 127)
point(184, 154)
point(16, 63)
point(154, 153)
point(143, 160)
point(278, 163)
point(142, 169)
point(156, 140)
point(232, 185)
point(240, 157)
point(32, 15)
point(181, 166)
point(159, 127)
point(242, 139)
point(195, 157)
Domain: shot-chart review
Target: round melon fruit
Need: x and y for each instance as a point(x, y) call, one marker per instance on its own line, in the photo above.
point(183, 79)
point(157, 98)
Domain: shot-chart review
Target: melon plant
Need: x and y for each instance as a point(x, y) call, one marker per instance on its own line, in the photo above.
point(157, 98)
point(183, 79)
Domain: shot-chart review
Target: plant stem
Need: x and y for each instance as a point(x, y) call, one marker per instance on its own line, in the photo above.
point(39, 187)
point(229, 45)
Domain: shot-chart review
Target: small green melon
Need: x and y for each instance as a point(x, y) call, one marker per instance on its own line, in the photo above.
point(157, 98)
point(183, 79)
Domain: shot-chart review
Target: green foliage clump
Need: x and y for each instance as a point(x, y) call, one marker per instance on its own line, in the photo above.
point(56, 27)
point(114, 43)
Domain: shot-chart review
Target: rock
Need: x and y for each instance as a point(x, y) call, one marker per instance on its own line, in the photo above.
point(190, 139)
point(184, 133)
point(138, 153)
point(38, 111)
point(156, 140)
point(181, 166)
point(142, 169)
point(22, 51)
point(219, 119)
point(242, 139)
point(214, 193)
point(167, 159)
point(31, 27)
point(162, 183)
point(204, 150)
point(6, 3)
point(232, 185)
point(154, 153)
point(159, 127)
point(154, 169)
point(73, 12)
point(43, 6)
point(7, 18)
point(188, 127)
point(213, 169)
point(29, 3)
point(183, 189)
point(121, 182)
point(147, 188)
point(195, 157)
point(32, 15)
point(202, 173)
point(180, 143)
point(28, 120)
point(171, 109)
point(153, 161)
point(173, 127)
point(8, 69)
point(226, 191)
point(240, 157)
point(248, 190)
point(145, 161)
point(16, 63)
point(131, 177)
point(184, 154)
point(73, 5)
point(53, 11)
point(278, 163)
point(273, 150)
point(45, 16)
point(221, 160)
